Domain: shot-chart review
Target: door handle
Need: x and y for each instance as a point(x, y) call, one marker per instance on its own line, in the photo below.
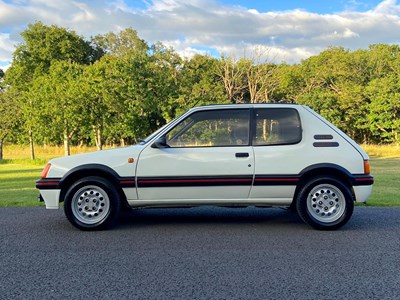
point(242, 154)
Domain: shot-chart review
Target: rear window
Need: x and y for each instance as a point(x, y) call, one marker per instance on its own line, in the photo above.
point(276, 126)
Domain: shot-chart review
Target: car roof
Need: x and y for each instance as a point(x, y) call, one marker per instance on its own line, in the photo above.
point(244, 105)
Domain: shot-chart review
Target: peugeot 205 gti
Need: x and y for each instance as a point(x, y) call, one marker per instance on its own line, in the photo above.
point(264, 155)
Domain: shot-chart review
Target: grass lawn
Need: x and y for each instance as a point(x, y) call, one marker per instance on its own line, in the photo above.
point(17, 182)
point(386, 191)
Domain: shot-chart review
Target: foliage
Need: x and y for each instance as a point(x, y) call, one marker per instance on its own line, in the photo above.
point(43, 46)
point(198, 85)
point(116, 88)
point(9, 113)
point(59, 104)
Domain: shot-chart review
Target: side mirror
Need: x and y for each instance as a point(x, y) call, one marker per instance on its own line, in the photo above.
point(160, 143)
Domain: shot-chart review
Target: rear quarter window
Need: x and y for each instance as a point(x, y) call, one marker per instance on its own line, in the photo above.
point(277, 126)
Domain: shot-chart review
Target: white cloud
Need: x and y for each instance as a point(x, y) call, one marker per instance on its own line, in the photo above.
point(387, 7)
point(6, 48)
point(190, 25)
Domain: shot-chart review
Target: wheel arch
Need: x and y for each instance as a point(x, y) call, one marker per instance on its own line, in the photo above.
point(322, 169)
point(87, 170)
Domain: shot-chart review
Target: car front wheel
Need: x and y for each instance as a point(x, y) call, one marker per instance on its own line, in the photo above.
point(92, 203)
point(325, 203)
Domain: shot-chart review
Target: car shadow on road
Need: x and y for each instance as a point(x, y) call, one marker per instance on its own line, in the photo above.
point(208, 215)
point(363, 219)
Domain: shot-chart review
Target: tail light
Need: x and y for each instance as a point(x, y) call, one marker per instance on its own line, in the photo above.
point(45, 171)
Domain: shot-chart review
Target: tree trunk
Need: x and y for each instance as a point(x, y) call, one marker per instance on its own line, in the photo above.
point(32, 147)
point(100, 142)
point(1, 149)
point(98, 137)
point(265, 131)
point(67, 150)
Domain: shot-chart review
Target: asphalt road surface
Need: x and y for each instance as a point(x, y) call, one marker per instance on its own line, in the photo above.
point(199, 253)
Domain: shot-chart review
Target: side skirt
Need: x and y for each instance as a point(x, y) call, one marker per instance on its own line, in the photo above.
point(278, 202)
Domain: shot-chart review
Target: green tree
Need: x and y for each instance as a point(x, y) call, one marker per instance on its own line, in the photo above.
point(9, 113)
point(382, 90)
point(199, 84)
point(60, 102)
point(164, 70)
point(122, 44)
point(290, 83)
point(131, 86)
point(384, 109)
point(117, 88)
point(43, 45)
point(101, 86)
point(332, 86)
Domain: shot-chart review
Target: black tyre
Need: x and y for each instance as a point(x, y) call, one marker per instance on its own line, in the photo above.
point(92, 203)
point(325, 203)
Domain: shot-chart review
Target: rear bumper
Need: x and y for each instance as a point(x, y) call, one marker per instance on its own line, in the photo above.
point(362, 192)
point(361, 180)
point(362, 186)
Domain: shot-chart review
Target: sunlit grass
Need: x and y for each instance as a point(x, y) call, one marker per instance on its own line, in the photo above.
point(387, 151)
point(17, 184)
point(18, 174)
point(386, 189)
point(41, 152)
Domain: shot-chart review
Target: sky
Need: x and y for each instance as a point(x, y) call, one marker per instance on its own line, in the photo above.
point(285, 31)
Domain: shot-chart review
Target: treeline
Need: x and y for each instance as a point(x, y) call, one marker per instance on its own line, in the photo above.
point(116, 88)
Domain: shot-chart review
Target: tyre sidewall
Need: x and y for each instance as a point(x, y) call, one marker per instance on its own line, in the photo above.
point(301, 203)
point(112, 194)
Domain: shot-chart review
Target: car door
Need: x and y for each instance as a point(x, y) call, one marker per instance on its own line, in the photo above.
point(206, 156)
point(279, 154)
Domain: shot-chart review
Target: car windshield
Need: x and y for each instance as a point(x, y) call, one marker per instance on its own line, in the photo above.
point(151, 136)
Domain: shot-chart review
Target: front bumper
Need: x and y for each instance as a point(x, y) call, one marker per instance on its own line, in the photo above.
point(51, 198)
point(49, 192)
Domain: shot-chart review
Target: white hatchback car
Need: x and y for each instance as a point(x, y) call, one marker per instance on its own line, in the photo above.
point(267, 155)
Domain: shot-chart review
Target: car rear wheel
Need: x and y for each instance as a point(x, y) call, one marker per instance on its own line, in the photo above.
point(92, 203)
point(325, 203)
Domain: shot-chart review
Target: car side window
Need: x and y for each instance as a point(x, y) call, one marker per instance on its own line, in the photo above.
point(212, 128)
point(277, 126)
